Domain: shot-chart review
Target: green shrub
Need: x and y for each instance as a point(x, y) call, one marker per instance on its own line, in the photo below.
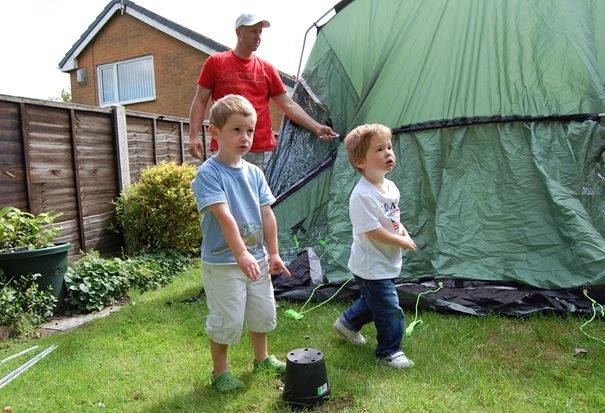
point(93, 282)
point(156, 269)
point(160, 212)
point(23, 305)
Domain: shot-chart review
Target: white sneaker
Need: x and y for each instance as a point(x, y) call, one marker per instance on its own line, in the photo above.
point(397, 360)
point(353, 337)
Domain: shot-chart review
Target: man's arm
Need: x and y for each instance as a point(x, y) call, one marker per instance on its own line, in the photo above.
point(196, 120)
point(298, 115)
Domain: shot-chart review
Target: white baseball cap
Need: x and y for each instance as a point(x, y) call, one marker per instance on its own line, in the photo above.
point(249, 19)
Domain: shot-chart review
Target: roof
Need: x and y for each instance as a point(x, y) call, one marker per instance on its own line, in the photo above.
point(190, 37)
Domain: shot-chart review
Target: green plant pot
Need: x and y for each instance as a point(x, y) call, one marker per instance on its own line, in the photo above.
point(50, 263)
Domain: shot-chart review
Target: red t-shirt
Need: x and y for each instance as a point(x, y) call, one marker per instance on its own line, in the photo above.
point(255, 79)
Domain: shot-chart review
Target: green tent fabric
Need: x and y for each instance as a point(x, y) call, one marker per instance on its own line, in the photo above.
point(497, 111)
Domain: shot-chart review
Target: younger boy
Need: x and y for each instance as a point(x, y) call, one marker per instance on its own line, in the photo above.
point(378, 237)
point(237, 224)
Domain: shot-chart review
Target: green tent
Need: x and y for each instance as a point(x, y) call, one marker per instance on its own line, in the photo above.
point(497, 112)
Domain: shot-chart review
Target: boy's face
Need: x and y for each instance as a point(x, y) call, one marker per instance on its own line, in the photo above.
point(379, 159)
point(234, 138)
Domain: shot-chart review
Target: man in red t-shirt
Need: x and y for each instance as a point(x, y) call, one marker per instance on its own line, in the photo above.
point(241, 72)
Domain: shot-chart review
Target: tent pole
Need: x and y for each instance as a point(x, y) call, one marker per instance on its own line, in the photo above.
point(305, 39)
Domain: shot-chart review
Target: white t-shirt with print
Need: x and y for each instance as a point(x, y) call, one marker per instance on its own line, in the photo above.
point(369, 209)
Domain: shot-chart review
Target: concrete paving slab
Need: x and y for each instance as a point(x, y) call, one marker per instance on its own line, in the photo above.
point(69, 323)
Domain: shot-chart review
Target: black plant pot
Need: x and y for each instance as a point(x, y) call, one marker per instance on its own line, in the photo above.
point(306, 381)
point(50, 263)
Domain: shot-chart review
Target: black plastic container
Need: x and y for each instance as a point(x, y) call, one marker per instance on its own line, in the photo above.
point(306, 380)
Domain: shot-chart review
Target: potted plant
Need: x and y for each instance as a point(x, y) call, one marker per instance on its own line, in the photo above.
point(27, 246)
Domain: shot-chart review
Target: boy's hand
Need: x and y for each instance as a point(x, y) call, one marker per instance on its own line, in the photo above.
point(407, 243)
point(276, 265)
point(247, 263)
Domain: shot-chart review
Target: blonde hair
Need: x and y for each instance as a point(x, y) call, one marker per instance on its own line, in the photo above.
point(230, 105)
point(358, 140)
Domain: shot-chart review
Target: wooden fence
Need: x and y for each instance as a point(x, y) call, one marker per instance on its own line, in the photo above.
point(76, 159)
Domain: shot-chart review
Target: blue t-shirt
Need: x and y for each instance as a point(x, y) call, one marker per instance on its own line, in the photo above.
point(245, 190)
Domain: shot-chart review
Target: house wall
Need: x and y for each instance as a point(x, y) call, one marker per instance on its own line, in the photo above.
point(176, 66)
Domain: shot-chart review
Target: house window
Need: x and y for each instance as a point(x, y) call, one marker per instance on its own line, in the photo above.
point(128, 81)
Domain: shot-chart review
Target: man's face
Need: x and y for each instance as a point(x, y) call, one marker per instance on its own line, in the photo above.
point(250, 36)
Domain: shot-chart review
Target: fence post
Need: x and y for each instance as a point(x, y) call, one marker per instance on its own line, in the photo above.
point(122, 146)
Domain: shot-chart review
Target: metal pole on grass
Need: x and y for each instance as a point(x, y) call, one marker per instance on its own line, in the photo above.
point(17, 355)
point(11, 376)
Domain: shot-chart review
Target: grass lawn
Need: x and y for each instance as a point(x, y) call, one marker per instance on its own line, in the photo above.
point(152, 356)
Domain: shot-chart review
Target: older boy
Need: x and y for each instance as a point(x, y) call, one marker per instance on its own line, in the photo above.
point(237, 223)
point(378, 237)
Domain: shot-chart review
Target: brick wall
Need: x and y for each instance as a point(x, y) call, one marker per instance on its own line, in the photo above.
point(176, 66)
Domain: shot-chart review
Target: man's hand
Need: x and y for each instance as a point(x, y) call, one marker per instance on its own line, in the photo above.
point(325, 133)
point(196, 147)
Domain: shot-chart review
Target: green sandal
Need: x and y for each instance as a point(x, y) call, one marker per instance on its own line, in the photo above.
point(225, 382)
point(271, 365)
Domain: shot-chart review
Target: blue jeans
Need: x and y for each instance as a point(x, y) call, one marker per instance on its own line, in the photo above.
point(378, 303)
